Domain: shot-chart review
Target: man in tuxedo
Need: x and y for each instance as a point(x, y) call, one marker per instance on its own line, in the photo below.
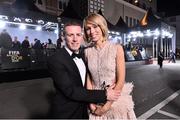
point(68, 72)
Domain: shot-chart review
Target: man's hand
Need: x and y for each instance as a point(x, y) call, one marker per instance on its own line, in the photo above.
point(92, 107)
point(112, 94)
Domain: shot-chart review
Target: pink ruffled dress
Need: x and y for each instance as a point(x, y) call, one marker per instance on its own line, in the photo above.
point(102, 66)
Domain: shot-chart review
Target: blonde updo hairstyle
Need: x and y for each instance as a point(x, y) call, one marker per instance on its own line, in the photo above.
point(98, 20)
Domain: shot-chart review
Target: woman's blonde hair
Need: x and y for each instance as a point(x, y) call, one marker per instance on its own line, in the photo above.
point(96, 19)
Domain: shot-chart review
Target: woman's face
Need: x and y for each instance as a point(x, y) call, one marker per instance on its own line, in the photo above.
point(94, 32)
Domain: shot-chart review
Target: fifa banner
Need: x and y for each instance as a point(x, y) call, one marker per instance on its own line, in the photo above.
point(15, 58)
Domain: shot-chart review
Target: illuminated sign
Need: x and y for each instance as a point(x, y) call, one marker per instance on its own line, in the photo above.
point(15, 56)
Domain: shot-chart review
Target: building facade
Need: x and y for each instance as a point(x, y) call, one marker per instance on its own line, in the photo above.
point(131, 11)
point(175, 21)
point(144, 4)
point(53, 7)
point(7, 2)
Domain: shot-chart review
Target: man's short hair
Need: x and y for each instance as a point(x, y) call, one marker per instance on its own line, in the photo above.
point(71, 23)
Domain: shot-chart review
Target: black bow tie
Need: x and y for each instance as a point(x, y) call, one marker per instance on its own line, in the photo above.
point(76, 55)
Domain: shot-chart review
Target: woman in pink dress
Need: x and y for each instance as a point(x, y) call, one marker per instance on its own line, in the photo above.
point(106, 66)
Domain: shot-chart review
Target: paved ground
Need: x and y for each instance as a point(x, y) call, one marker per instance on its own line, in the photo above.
point(25, 99)
point(156, 93)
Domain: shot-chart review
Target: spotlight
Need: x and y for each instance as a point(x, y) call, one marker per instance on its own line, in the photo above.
point(28, 20)
point(3, 17)
point(22, 27)
point(40, 22)
point(38, 28)
point(2, 24)
point(16, 19)
point(56, 31)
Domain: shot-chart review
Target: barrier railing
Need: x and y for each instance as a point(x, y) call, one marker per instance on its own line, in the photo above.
point(24, 59)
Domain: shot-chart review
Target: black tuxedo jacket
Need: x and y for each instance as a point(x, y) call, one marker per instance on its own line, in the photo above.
point(72, 98)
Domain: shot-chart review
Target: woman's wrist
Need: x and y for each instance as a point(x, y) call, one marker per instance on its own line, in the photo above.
point(106, 107)
point(93, 111)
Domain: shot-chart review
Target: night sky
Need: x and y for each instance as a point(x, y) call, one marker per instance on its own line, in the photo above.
point(170, 7)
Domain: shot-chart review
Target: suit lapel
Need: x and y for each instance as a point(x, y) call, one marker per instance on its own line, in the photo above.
point(71, 64)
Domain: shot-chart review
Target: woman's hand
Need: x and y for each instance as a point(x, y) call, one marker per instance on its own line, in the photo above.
point(100, 110)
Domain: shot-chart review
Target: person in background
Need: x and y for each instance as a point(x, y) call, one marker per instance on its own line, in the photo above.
point(37, 44)
point(50, 44)
point(16, 44)
point(59, 41)
point(172, 57)
point(106, 66)
point(68, 72)
point(160, 58)
point(5, 39)
point(25, 43)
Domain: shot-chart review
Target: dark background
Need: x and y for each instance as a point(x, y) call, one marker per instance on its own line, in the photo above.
point(170, 7)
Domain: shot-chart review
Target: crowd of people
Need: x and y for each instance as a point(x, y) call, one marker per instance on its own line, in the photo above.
point(135, 52)
point(6, 41)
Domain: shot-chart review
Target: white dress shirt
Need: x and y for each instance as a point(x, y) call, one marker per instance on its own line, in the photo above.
point(80, 65)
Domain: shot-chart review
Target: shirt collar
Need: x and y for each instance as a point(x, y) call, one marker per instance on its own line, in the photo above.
point(69, 51)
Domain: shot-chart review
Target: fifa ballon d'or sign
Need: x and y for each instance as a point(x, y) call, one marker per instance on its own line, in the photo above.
point(15, 59)
point(15, 56)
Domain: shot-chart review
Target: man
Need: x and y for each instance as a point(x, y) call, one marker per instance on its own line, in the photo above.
point(16, 44)
point(68, 73)
point(172, 57)
point(5, 39)
point(25, 43)
point(160, 58)
point(59, 41)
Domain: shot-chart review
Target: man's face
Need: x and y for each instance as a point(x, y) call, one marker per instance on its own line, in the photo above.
point(73, 37)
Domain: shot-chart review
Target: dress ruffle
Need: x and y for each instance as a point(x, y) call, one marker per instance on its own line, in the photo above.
point(123, 108)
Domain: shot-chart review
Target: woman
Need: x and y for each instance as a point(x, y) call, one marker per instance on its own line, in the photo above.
point(106, 66)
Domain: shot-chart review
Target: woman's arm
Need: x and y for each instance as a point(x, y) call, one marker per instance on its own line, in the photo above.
point(120, 78)
point(120, 68)
point(89, 82)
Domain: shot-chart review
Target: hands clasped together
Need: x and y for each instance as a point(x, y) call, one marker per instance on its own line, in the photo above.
point(112, 95)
